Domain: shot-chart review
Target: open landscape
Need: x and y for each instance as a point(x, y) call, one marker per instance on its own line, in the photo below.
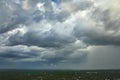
point(60, 75)
point(59, 39)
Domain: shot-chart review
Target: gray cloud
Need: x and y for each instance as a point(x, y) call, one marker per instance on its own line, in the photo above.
point(45, 39)
point(18, 52)
point(56, 32)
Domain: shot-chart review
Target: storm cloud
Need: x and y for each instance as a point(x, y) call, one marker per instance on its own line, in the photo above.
point(57, 33)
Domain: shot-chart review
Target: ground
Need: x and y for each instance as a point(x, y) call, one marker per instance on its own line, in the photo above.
point(59, 74)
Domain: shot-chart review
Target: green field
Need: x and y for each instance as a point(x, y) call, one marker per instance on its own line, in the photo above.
point(59, 74)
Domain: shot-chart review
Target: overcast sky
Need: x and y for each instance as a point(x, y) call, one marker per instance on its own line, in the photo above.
point(60, 34)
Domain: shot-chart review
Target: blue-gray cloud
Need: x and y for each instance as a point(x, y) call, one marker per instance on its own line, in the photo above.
point(55, 32)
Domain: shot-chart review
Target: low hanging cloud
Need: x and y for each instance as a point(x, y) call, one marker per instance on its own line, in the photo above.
point(56, 31)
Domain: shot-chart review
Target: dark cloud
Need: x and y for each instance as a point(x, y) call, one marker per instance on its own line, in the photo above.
point(14, 53)
point(55, 32)
point(47, 39)
point(13, 24)
point(12, 56)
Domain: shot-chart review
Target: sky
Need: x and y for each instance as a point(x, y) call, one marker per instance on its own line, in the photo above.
point(59, 34)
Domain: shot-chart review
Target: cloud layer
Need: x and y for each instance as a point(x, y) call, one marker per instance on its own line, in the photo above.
point(57, 32)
